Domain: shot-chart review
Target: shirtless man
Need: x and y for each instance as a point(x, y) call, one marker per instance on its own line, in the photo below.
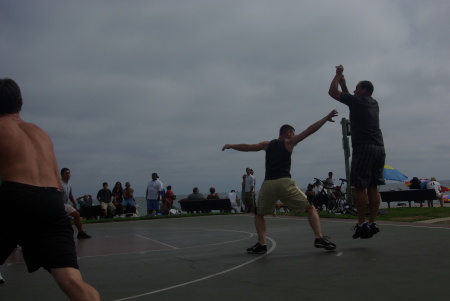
point(32, 186)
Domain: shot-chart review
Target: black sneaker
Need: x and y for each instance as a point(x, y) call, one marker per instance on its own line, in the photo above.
point(83, 234)
point(374, 228)
point(257, 249)
point(362, 232)
point(324, 242)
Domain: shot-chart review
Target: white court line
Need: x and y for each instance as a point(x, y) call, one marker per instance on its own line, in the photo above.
point(156, 241)
point(339, 254)
point(274, 245)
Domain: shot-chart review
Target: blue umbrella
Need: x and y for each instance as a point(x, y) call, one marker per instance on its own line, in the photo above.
point(390, 173)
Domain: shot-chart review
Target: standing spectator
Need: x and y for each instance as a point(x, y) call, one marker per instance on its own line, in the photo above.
point(117, 194)
point(244, 177)
point(234, 198)
point(104, 197)
point(128, 198)
point(278, 185)
point(434, 184)
point(153, 195)
point(249, 190)
point(329, 183)
point(71, 211)
point(368, 155)
point(32, 186)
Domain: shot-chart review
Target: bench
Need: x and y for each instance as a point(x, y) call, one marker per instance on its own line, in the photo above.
point(91, 212)
point(412, 195)
point(205, 205)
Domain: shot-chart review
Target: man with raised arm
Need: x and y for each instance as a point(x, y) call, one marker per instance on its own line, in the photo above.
point(32, 186)
point(368, 155)
point(278, 185)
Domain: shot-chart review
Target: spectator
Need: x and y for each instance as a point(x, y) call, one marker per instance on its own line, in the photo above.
point(249, 191)
point(170, 196)
point(234, 198)
point(415, 183)
point(117, 194)
point(104, 197)
point(84, 202)
point(213, 195)
point(434, 184)
point(153, 195)
point(196, 195)
point(128, 198)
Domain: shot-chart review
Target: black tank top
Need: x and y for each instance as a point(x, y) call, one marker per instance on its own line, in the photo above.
point(278, 160)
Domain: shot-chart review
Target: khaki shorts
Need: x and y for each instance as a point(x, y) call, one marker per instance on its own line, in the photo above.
point(286, 191)
point(108, 206)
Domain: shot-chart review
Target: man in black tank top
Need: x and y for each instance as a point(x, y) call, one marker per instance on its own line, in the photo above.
point(278, 184)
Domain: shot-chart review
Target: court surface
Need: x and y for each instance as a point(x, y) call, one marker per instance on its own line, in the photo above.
point(204, 258)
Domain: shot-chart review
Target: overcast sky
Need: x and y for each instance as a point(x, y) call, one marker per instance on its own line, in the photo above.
point(127, 88)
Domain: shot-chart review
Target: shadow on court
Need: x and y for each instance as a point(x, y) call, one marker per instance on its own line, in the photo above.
point(204, 258)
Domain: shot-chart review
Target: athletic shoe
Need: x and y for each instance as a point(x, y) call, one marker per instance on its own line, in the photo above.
point(374, 228)
point(324, 242)
point(257, 249)
point(362, 232)
point(83, 234)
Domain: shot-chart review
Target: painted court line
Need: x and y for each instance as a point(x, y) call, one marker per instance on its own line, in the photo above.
point(156, 241)
point(274, 245)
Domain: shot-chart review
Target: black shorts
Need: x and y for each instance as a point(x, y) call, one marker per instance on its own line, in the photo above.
point(35, 218)
point(367, 166)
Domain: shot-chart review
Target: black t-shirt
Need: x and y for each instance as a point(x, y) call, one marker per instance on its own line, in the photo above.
point(364, 119)
point(278, 160)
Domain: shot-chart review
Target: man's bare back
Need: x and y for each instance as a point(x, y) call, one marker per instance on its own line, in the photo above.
point(26, 153)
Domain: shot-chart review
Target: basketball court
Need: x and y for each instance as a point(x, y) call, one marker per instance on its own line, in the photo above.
point(204, 258)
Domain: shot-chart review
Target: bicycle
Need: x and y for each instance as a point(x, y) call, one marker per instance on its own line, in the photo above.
point(336, 202)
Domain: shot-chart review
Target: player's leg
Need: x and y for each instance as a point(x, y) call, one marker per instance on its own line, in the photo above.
point(72, 284)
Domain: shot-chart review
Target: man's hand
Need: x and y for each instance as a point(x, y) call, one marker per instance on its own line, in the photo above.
point(332, 114)
point(226, 146)
point(339, 69)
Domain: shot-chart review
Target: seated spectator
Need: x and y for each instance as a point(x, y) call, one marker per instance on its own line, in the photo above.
point(213, 195)
point(234, 198)
point(434, 184)
point(310, 192)
point(128, 199)
point(84, 202)
point(117, 193)
point(196, 195)
point(104, 197)
point(415, 183)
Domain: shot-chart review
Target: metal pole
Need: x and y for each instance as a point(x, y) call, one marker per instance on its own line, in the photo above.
point(346, 146)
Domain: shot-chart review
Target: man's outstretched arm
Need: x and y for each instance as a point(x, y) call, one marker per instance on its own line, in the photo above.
point(247, 147)
point(291, 142)
point(334, 86)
